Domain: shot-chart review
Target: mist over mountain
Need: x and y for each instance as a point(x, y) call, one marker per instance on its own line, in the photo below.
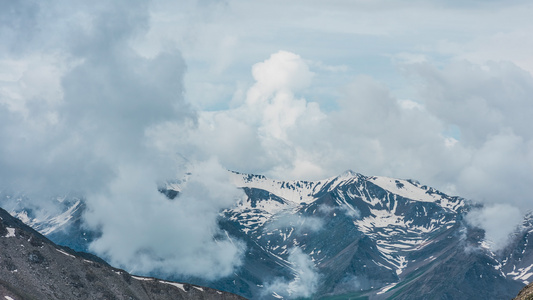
point(350, 236)
point(33, 267)
point(124, 116)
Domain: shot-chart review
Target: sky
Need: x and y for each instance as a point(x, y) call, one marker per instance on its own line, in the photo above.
point(109, 99)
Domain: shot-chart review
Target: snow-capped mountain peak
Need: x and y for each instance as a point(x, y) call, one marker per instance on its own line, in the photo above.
point(300, 192)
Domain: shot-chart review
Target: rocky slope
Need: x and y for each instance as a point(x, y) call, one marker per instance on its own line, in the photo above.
point(32, 267)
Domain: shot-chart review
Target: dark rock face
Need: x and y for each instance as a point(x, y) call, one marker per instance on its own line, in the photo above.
point(32, 267)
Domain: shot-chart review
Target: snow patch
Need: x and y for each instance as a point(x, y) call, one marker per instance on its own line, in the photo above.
point(10, 232)
point(142, 278)
point(23, 216)
point(404, 188)
point(295, 191)
point(65, 253)
point(522, 273)
point(60, 220)
point(178, 285)
point(387, 288)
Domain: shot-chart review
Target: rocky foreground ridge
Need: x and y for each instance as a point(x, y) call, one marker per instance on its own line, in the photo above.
point(33, 267)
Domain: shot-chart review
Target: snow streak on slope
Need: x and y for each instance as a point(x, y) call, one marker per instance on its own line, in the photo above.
point(295, 192)
point(413, 190)
point(49, 223)
point(518, 264)
point(278, 197)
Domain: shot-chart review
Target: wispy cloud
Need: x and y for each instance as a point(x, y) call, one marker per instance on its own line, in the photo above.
point(305, 281)
point(499, 221)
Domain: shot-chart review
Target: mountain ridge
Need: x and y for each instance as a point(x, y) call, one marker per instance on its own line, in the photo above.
point(366, 236)
point(421, 215)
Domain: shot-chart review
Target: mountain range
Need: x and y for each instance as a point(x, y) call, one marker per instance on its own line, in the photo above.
point(346, 237)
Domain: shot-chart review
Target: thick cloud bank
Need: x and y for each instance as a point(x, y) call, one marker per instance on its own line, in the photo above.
point(78, 112)
point(145, 232)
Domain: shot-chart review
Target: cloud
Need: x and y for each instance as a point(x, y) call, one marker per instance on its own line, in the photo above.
point(498, 46)
point(481, 99)
point(466, 128)
point(345, 209)
point(305, 281)
point(146, 233)
point(499, 221)
point(258, 129)
point(82, 115)
point(465, 132)
point(271, 99)
point(74, 108)
point(299, 223)
point(488, 105)
point(283, 71)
